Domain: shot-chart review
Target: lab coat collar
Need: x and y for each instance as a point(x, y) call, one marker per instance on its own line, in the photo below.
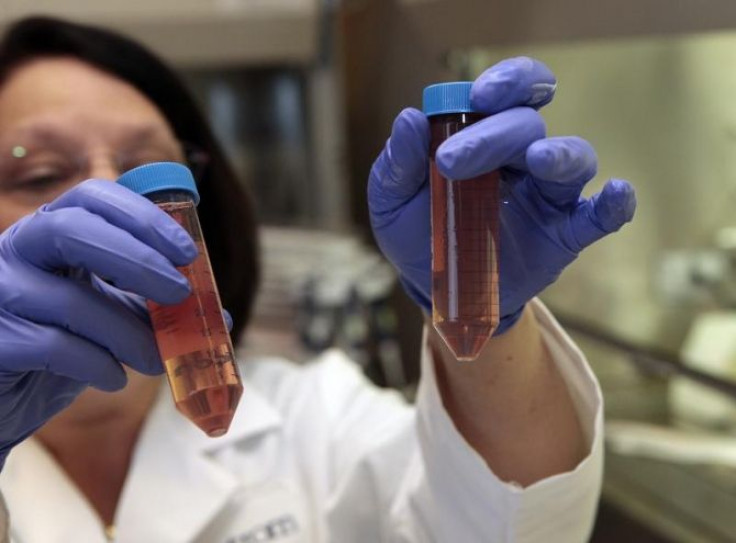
point(175, 488)
point(43, 503)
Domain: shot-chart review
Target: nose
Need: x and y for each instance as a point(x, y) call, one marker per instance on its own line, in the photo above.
point(104, 167)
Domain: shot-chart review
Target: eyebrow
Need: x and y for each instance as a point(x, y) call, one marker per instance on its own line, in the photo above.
point(45, 134)
point(53, 133)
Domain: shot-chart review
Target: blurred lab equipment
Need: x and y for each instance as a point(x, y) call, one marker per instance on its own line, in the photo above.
point(669, 480)
point(192, 336)
point(704, 279)
point(465, 232)
point(671, 444)
point(710, 346)
point(326, 289)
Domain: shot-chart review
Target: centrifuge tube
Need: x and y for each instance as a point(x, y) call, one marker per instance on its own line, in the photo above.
point(192, 336)
point(465, 233)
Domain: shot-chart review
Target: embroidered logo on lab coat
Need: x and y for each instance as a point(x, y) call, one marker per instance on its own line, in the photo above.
point(272, 530)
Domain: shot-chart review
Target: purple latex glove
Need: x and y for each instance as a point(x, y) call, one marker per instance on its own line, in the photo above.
point(545, 222)
point(61, 331)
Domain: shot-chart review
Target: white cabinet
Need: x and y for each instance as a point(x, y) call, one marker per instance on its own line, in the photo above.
point(197, 32)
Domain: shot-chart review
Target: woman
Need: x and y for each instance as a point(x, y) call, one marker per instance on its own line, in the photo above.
point(508, 448)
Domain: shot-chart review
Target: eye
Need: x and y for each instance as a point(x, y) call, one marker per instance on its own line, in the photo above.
point(39, 172)
point(42, 178)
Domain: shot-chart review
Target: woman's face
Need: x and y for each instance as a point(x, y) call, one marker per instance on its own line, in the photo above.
point(63, 121)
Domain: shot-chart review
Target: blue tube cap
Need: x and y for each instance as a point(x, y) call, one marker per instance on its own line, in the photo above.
point(159, 176)
point(443, 98)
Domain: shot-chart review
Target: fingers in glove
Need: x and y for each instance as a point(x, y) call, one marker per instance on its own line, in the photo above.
point(401, 169)
point(520, 81)
point(490, 144)
point(133, 213)
point(47, 348)
point(133, 302)
point(228, 320)
point(76, 238)
point(604, 213)
point(79, 308)
point(561, 167)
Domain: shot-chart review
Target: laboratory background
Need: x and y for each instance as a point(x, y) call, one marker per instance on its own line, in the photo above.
point(302, 94)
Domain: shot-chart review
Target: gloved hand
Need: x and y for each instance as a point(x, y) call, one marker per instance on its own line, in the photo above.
point(61, 328)
point(545, 222)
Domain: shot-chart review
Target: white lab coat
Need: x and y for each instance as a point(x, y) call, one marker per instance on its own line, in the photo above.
point(316, 454)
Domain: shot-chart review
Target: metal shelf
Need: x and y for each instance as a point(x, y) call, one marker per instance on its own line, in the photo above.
point(681, 502)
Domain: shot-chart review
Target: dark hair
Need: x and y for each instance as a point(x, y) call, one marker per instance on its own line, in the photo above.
point(226, 209)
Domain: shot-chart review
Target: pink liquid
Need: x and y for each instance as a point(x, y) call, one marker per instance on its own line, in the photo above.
point(465, 234)
point(194, 343)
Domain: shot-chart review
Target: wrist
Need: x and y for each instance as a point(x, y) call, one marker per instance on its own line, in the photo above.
point(4, 452)
point(417, 296)
point(507, 322)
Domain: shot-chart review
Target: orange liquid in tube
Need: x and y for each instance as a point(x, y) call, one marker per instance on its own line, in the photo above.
point(192, 336)
point(465, 234)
